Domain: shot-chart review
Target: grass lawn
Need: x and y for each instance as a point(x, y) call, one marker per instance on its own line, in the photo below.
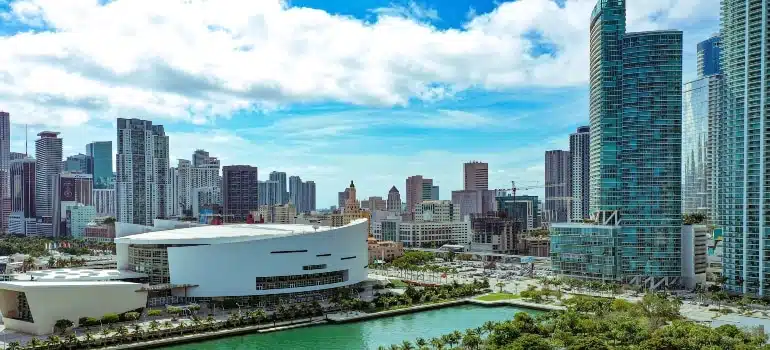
point(498, 296)
point(398, 284)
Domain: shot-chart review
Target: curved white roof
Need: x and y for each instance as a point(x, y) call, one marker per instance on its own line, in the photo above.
point(77, 274)
point(218, 234)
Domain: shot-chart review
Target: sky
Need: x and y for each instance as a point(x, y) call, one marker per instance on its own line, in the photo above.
point(330, 90)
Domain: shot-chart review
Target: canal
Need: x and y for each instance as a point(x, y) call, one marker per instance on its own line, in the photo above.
point(367, 334)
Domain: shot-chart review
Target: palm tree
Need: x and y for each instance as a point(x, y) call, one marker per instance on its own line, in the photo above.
point(105, 335)
point(53, 341)
point(34, 343)
point(138, 331)
point(421, 342)
point(71, 340)
point(14, 345)
point(88, 337)
point(437, 343)
point(27, 264)
point(122, 333)
point(406, 345)
point(154, 326)
point(489, 326)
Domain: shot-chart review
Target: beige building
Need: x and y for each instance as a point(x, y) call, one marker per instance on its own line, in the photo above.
point(352, 211)
point(284, 214)
point(437, 211)
point(384, 250)
point(535, 246)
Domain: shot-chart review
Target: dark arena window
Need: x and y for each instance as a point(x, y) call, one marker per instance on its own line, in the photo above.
point(314, 267)
point(297, 281)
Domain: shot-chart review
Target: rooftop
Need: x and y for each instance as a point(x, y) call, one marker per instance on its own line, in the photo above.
point(71, 275)
point(217, 234)
point(62, 283)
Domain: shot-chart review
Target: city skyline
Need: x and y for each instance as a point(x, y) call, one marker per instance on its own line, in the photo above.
point(333, 139)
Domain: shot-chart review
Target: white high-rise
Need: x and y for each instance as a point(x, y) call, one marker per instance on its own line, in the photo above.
point(104, 201)
point(141, 186)
point(202, 172)
point(48, 154)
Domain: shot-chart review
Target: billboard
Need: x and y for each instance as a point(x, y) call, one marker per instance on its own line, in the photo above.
point(67, 189)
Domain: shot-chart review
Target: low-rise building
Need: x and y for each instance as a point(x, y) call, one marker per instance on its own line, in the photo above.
point(495, 234)
point(535, 246)
point(384, 250)
point(99, 233)
point(694, 254)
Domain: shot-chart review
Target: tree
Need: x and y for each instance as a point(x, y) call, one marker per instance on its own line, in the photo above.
point(62, 325)
point(53, 341)
point(437, 343)
point(471, 341)
point(406, 345)
point(14, 345)
point(500, 285)
point(659, 309)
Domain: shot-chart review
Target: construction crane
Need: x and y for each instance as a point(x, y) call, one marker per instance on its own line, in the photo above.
point(514, 189)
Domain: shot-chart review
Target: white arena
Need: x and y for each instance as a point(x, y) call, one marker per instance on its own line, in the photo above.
point(251, 263)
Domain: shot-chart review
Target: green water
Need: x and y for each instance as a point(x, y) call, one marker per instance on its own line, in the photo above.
point(367, 334)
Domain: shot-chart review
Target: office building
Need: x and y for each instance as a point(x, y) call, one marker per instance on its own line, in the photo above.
point(694, 255)
point(22, 191)
point(708, 57)
point(742, 147)
point(419, 189)
point(239, 192)
point(437, 211)
point(5, 158)
point(475, 176)
point(104, 202)
point(202, 158)
point(282, 193)
point(342, 198)
point(48, 156)
point(270, 193)
point(102, 156)
point(393, 203)
point(79, 163)
point(191, 177)
point(17, 155)
point(521, 208)
point(376, 203)
point(78, 217)
point(434, 193)
point(69, 189)
point(141, 186)
point(474, 201)
point(558, 193)
point(579, 143)
point(636, 147)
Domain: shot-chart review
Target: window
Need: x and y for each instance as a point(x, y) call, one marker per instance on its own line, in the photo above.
point(348, 257)
point(298, 281)
point(327, 254)
point(314, 267)
point(288, 251)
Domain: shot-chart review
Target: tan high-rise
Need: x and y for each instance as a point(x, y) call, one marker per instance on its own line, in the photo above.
point(476, 176)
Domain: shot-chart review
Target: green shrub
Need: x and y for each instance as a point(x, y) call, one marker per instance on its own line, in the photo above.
point(131, 316)
point(110, 318)
point(154, 313)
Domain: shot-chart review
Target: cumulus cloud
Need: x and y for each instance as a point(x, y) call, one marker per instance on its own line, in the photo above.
point(193, 60)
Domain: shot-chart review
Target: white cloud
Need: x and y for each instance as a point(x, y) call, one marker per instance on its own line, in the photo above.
point(194, 60)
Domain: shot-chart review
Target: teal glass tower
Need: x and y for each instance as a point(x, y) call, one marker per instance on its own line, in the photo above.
point(635, 110)
point(742, 183)
point(101, 152)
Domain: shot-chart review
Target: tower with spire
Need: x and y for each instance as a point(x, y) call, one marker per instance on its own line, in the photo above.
point(352, 211)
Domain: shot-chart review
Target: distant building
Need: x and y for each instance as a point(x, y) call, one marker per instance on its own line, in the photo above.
point(302, 194)
point(558, 193)
point(708, 56)
point(102, 156)
point(377, 203)
point(70, 189)
point(394, 200)
point(418, 189)
point(522, 208)
point(104, 202)
point(694, 255)
point(99, 233)
point(476, 176)
point(78, 217)
point(495, 234)
point(79, 163)
point(239, 191)
point(270, 193)
point(351, 212)
point(282, 194)
point(141, 192)
point(342, 198)
point(22, 190)
point(384, 250)
point(437, 211)
point(283, 214)
point(205, 197)
point(579, 151)
point(48, 156)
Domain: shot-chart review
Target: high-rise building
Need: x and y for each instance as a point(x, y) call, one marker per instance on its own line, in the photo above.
point(434, 193)
point(22, 191)
point(702, 108)
point(141, 186)
point(240, 192)
point(69, 189)
point(79, 163)
point(437, 211)
point(473, 202)
point(476, 176)
point(708, 56)
point(302, 194)
point(394, 200)
point(17, 155)
point(270, 193)
point(5, 159)
point(174, 208)
point(579, 176)
point(414, 192)
point(524, 209)
point(104, 201)
point(558, 193)
point(48, 154)
point(742, 190)
point(377, 203)
point(342, 198)
point(280, 178)
point(101, 153)
point(635, 157)
point(202, 172)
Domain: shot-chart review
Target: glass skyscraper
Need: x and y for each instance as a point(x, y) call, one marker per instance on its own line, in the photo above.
point(635, 109)
point(742, 183)
point(101, 154)
point(707, 57)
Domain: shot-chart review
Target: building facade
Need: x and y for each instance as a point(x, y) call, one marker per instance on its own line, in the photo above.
point(437, 211)
point(101, 153)
point(192, 177)
point(524, 209)
point(495, 234)
point(22, 191)
point(474, 201)
point(79, 163)
point(302, 194)
point(635, 110)
point(240, 192)
point(475, 176)
point(579, 150)
point(70, 189)
point(743, 196)
point(48, 154)
point(558, 193)
point(282, 193)
point(418, 189)
point(142, 172)
point(104, 202)
point(5, 159)
point(393, 203)
point(708, 57)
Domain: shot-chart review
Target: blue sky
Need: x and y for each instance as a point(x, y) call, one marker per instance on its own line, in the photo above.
point(372, 91)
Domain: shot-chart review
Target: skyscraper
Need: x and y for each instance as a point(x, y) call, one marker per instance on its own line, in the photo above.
point(579, 143)
point(5, 155)
point(101, 153)
point(302, 194)
point(393, 203)
point(202, 172)
point(22, 190)
point(742, 190)
point(80, 163)
point(342, 198)
point(635, 114)
point(557, 186)
point(414, 192)
point(476, 176)
point(280, 177)
point(48, 154)
point(142, 177)
point(239, 191)
point(69, 189)
point(708, 56)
